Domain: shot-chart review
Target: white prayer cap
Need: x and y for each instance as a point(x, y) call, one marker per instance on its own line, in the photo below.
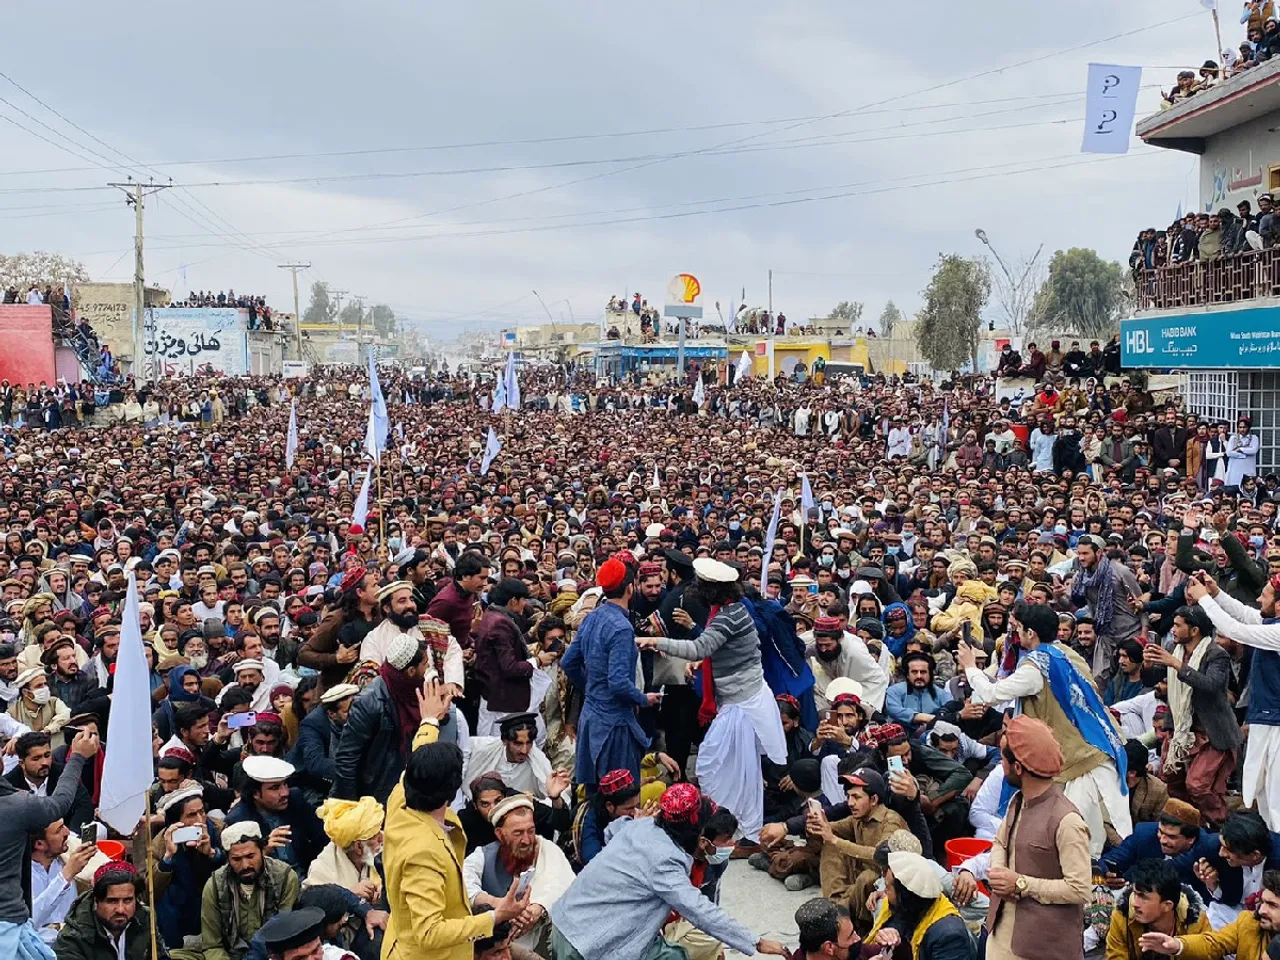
point(339, 692)
point(916, 874)
point(508, 804)
point(843, 685)
point(402, 650)
point(714, 571)
point(654, 530)
point(239, 833)
point(267, 769)
point(248, 665)
point(185, 792)
point(860, 588)
point(26, 676)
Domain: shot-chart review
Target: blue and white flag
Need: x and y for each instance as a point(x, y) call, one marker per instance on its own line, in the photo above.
point(806, 497)
point(360, 514)
point(512, 383)
point(378, 408)
point(492, 447)
point(499, 395)
point(291, 444)
point(126, 772)
point(1111, 103)
point(372, 448)
point(770, 535)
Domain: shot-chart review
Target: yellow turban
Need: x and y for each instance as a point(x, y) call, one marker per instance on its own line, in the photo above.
point(347, 821)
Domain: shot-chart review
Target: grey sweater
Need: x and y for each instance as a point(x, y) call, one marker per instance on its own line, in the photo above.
point(23, 813)
point(733, 645)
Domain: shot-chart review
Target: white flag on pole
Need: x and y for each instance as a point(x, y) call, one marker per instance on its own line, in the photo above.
point(372, 448)
point(770, 535)
point(806, 496)
point(699, 391)
point(1111, 104)
point(657, 482)
point(512, 383)
point(744, 367)
point(291, 445)
point(360, 514)
point(500, 395)
point(126, 771)
point(492, 447)
point(378, 407)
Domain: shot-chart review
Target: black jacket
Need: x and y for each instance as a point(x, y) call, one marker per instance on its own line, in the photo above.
point(81, 811)
point(372, 752)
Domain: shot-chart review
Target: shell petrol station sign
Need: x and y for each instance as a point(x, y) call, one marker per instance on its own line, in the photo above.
point(683, 293)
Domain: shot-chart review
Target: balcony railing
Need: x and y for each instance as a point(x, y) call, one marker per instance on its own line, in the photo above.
point(1228, 279)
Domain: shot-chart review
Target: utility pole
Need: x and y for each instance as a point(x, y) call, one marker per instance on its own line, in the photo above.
point(135, 192)
point(773, 327)
point(359, 328)
point(297, 315)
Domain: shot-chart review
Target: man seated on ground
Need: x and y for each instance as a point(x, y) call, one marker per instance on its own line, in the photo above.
point(847, 863)
point(915, 701)
point(946, 806)
point(1177, 837)
point(1147, 793)
point(490, 870)
point(108, 921)
point(1247, 851)
point(825, 931)
point(915, 911)
point(293, 831)
point(834, 653)
point(1246, 938)
point(515, 757)
point(37, 773)
point(183, 869)
point(318, 736)
point(354, 829)
point(1154, 902)
point(53, 877)
point(242, 895)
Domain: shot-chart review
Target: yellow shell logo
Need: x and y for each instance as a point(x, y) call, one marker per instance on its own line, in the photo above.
point(690, 288)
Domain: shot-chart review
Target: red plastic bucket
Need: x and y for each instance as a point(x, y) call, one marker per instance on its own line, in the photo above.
point(111, 849)
point(962, 848)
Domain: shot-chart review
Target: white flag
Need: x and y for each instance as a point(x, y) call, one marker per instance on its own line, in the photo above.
point(372, 448)
point(744, 367)
point(699, 391)
point(126, 771)
point(360, 515)
point(1111, 103)
point(806, 497)
point(500, 395)
point(770, 536)
point(378, 406)
point(657, 482)
point(291, 445)
point(512, 383)
point(492, 447)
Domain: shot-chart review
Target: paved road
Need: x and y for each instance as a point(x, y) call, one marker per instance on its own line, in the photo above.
point(762, 904)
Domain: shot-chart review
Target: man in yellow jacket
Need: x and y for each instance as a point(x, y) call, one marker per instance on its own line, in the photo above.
point(1247, 937)
point(424, 846)
point(1155, 902)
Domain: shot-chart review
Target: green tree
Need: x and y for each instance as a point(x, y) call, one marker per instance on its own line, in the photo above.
point(21, 270)
point(1083, 294)
point(889, 318)
point(947, 331)
point(847, 311)
point(384, 320)
point(351, 314)
point(321, 308)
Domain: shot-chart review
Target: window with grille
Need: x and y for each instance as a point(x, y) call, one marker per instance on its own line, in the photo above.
point(1260, 398)
point(1213, 394)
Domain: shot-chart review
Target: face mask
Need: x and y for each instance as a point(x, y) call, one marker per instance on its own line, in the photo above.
point(828, 561)
point(893, 551)
point(734, 525)
point(42, 695)
point(1257, 541)
point(721, 855)
point(201, 661)
point(393, 544)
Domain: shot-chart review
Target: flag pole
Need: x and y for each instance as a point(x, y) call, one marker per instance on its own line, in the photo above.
point(151, 880)
point(1217, 32)
point(382, 513)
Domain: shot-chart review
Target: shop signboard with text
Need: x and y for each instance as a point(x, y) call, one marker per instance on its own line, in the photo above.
point(1204, 340)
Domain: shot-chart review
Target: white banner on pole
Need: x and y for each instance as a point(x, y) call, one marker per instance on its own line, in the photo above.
point(1111, 103)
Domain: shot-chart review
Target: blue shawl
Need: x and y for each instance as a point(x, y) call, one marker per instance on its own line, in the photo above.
point(1082, 705)
point(897, 644)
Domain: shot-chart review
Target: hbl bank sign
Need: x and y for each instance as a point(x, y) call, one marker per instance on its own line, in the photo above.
point(1203, 341)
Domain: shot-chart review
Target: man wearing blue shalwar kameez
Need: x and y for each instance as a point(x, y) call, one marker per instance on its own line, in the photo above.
point(602, 662)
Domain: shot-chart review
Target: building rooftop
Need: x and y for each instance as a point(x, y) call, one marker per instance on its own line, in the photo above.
point(1186, 125)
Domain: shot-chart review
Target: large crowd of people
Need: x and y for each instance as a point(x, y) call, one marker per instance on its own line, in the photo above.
point(980, 673)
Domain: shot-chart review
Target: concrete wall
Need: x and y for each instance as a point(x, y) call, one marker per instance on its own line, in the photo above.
point(109, 309)
point(266, 352)
point(26, 344)
point(1235, 165)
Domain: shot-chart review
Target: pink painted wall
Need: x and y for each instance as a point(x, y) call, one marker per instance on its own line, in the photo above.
point(26, 344)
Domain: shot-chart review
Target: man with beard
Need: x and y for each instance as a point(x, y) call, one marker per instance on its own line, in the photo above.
point(400, 619)
point(8, 674)
point(38, 774)
point(374, 746)
point(517, 759)
point(1053, 684)
point(834, 653)
point(319, 734)
point(1107, 588)
point(915, 701)
point(103, 662)
point(70, 684)
point(108, 920)
point(511, 681)
point(415, 567)
point(354, 829)
point(825, 930)
point(490, 870)
point(249, 675)
point(294, 834)
point(679, 708)
point(241, 896)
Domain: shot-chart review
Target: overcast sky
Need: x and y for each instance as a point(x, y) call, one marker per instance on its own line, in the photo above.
point(902, 108)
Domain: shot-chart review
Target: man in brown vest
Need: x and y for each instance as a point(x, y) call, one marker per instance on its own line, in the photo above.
point(1040, 871)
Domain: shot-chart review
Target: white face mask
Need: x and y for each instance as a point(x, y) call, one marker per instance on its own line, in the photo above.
point(42, 695)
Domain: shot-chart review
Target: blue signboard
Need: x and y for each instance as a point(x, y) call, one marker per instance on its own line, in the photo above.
point(1201, 341)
